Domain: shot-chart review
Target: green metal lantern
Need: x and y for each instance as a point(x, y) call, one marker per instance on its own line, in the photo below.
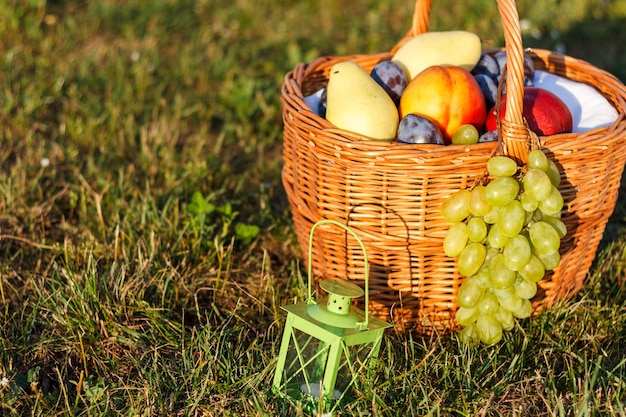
point(327, 347)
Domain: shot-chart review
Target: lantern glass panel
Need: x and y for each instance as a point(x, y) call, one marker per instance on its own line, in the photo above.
point(306, 365)
point(331, 362)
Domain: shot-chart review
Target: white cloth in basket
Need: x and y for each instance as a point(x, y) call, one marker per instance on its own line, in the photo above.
point(589, 108)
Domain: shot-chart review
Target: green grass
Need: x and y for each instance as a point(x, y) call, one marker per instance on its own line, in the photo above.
point(146, 243)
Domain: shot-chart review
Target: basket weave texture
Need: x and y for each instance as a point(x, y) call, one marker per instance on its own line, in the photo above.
point(390, 193)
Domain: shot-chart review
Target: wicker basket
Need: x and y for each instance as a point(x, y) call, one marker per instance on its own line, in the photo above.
point(390, 194)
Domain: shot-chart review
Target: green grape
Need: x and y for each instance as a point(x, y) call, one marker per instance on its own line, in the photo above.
point(558, 225)
point(501, 191)
point(512, 303)
point(511, 218)
point(525, 310)
point(506, 235)
point(516, 253)
point(455, 240)
point(538, 159)
point(469, 294)
point(544, 238)
point(466, 316)
point(468, 335)
point(528, 217)
point(552, 204)
point(466, 134)
point(488, 329)
point(528, 203)
point(478, 204)
point(550, 260)
point(491, 253)
point(491, 217)
point(471, 258)
point(501, 166)
point(503, 293)
point(534, 270)
point(525, 289)
point(537, 184)
point(506, 319)
point(553, 173)
point(500, 276)
point(488, 304)
point(476, 229)
point(526, 234)
point(495, 238)
point(456, 207)
point(557, 215)
point(482, 278)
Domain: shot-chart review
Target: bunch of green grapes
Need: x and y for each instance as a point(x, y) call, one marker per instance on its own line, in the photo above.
point(505, 235)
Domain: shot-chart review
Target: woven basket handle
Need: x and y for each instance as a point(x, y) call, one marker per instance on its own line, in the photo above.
point(514, 133)
point(361, 325)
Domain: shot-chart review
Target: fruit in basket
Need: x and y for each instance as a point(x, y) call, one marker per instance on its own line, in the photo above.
point(529, 66)
point(415, 128)
point(448, 95)
point(490, 136)
point(356, 103)
point(522, 242)
point(489, 88)
point(544, 111)
point(392, 77)
point(465, 135)
point(448, 48)
point(487, 65)
point(321, 108)
point(317, 102)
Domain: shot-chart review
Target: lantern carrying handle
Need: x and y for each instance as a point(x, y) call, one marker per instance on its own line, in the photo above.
point(360, 325)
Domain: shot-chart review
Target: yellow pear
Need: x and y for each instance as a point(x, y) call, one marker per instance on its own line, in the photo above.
point(358, 104)
point(448, 48)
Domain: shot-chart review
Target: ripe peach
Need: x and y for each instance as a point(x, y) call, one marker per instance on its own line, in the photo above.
point(545, 113)
point(449, 95)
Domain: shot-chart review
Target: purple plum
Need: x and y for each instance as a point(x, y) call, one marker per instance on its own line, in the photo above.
point(391, 76)
point(489, 87)
point(529, 67)
point(415, 128)
point(487, 65)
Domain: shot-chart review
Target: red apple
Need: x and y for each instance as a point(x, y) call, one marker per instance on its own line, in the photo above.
point(545, 113)
point(448, 95)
